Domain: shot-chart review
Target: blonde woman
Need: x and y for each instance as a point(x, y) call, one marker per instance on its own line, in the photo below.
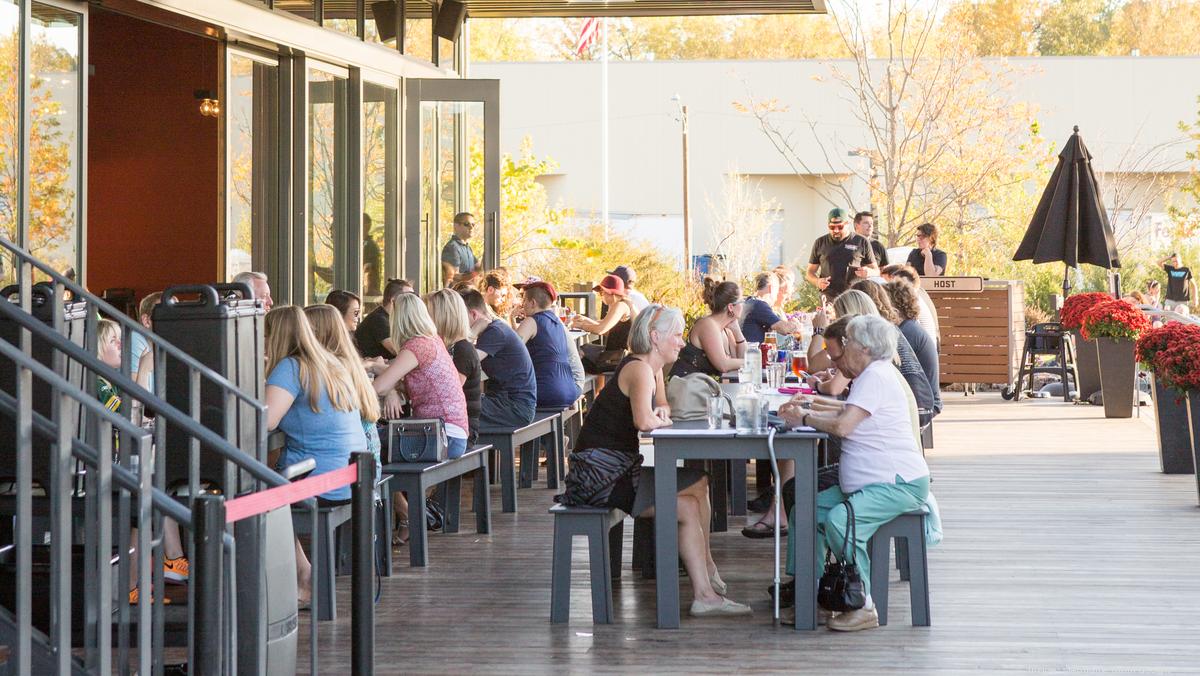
point(427, 372)
point(449, 315)
point(331, 332)
point(311, 397)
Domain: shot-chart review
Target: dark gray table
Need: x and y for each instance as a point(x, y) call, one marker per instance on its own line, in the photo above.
point(798, 446)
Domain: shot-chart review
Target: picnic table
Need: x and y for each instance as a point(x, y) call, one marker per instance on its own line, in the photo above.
point(693, 440)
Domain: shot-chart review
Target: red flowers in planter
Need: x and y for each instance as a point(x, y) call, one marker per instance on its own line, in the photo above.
point(1172, 353)
point(1114, 318)
point(1074, 307)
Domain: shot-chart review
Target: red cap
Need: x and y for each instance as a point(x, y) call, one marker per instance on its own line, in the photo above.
point(612, 284)
point(539, 284)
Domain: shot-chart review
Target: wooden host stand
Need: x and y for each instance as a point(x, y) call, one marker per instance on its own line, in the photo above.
point(982, 328)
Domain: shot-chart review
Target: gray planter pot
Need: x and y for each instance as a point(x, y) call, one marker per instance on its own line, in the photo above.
point(1175, 453)
point(1193, 406)
point(1117, 373)
point(1088, 363)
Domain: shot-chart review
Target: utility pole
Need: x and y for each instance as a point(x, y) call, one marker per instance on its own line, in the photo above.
point(687, 223)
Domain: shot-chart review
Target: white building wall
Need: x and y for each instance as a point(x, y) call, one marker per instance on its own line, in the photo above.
point(1123, 105)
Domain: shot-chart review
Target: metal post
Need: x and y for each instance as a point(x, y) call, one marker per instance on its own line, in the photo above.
point(362, 610)
point(208, 525)
point(687, 224)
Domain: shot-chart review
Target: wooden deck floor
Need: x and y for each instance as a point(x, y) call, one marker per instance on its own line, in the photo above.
point(1065, 551)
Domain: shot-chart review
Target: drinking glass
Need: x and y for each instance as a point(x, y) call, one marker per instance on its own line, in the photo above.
point(716, 413)
point(775, 376)
point(799, 362)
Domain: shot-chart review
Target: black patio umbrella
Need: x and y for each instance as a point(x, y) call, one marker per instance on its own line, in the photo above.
point(1070, 224)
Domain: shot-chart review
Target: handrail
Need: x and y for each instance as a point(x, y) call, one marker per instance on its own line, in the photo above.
point(126, 322)
point(126, 384)
point(82, 450)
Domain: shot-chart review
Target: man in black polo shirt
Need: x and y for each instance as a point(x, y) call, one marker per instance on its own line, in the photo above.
point(374, 335)
point(839, 257)
point(864, 224)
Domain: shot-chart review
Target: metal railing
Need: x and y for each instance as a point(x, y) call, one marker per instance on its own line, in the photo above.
point(89, 439)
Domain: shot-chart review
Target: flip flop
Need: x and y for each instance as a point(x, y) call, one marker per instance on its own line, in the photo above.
point(761, 530)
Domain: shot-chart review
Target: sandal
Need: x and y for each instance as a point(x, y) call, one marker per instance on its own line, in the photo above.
point(761, 530)
point(397, 539)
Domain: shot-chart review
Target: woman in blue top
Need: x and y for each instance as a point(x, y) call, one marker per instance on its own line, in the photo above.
point(758, 317)
point(549, 349)
point(311, 397)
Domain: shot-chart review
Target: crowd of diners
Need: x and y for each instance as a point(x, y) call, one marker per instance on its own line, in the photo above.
point(488, 352)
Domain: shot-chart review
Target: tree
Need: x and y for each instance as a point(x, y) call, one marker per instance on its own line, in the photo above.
point(1186, 216)
point(1075, 27)
point(741, 228)
point(502, 40)
point(52, 219)
point(1155, 28)
point(942, 131)
point(994, 27)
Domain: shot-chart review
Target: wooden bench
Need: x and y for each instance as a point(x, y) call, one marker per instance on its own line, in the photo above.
point(569, 422)
point(505, 440)
point(603, 529)
point(330, 547)
point(414, 478)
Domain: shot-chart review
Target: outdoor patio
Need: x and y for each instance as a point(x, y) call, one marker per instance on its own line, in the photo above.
point(1065, 551)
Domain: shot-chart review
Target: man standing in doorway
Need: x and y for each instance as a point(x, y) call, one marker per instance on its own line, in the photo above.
point(864, 224)
point(839, 257)
point(458, 260)
point(1181, 286)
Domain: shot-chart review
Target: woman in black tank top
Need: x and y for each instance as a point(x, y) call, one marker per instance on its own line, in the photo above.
point(716, 344)
point(634, 401)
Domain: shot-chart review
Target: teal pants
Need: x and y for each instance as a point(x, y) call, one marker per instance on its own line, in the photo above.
point(874, 506)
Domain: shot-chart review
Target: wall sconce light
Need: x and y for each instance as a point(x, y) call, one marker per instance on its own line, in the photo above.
point(209, 105)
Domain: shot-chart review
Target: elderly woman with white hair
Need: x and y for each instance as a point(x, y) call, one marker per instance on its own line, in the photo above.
point(882, 473)
point(624, 408)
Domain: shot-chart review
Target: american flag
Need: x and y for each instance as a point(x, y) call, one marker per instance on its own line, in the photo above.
point(587, 34)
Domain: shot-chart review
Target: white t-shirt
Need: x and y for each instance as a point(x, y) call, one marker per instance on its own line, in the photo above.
point(639, 301)
point(883, 445)
point(927, 317)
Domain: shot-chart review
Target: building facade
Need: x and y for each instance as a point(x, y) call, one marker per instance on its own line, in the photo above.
point(1128, 110)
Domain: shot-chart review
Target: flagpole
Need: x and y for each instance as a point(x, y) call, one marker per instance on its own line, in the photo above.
point(604, 215)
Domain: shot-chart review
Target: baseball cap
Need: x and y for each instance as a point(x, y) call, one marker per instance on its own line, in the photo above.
point(535, 283)
point(612, 284)
point(837, 214)
point(625, 272)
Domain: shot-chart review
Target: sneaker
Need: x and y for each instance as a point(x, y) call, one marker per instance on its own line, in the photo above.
point(133, 598)
point(788, 616)
point(855, 620)
point(175, 570)
point(722, 607)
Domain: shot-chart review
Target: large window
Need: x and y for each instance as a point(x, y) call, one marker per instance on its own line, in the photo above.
point(326, 180)
point(252, 113)
point(380, 157)
point(10, 138)
point(54, 165)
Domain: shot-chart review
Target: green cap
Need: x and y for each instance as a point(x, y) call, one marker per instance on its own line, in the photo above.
point(838, 214)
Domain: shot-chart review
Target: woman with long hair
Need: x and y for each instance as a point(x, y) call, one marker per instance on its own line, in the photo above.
point(311, 397)
point(424, 367)
point(449, 315)
point(715, 344)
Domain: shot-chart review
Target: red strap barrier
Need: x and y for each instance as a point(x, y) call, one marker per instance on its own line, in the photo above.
point(280, 496)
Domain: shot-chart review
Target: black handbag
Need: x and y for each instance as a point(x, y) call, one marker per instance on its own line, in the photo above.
point(841, 587)
point(417, 440)
point(593, 473)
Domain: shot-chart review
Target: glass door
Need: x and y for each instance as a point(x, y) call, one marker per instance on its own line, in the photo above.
point(326, 151)
point(380, 188)
point(252, 161)
point(452, 187)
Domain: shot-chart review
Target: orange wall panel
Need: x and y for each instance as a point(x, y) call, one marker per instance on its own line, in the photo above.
point(154, 180)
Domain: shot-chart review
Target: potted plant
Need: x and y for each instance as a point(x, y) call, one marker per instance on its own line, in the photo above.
point(1175, 443)
point(1086, 361)
point(1115, 325)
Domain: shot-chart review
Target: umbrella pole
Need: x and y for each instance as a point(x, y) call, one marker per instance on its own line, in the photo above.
point(1066, 281)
